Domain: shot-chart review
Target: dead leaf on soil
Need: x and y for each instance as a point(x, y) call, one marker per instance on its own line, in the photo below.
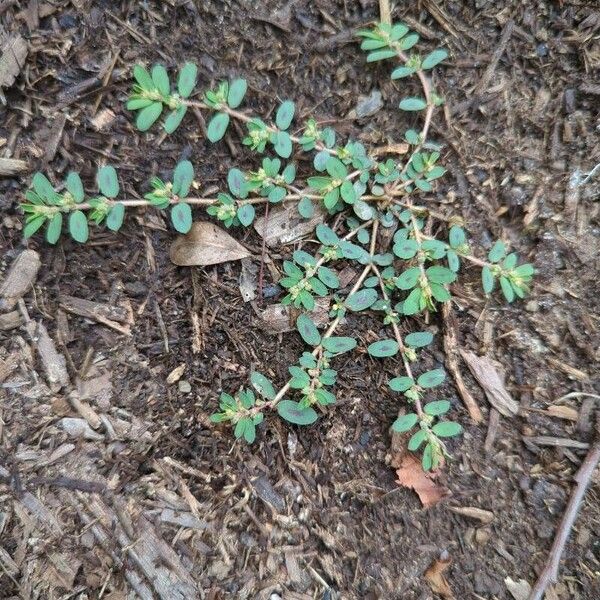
point(435, 578)
point(205, 244)
point(279, 318)
point(284, 225)
point(488, 374)
point(411, 475)
point(485, 516)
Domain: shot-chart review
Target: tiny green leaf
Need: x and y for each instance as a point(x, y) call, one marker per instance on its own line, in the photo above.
point(285, 114)
point(183, 176)
point(439, 407)
point(487, 279)
point(434, 58)
point(237, 183)
point(78, 226)
point(54, 228)
point(306, 208)
point(383, 348)
point(413, 104)
point(405, 423)
point(401, 384)
point(432, 378)
point(283, 144)
point(217, 127)
point(418, 339)
point(246, 214)
point(361, 300)
point(181, 217)
point(294, 413)
point(160, 78)
point(237, 91)
point(262, 385)
point(148, 116)
point(497, 252)
point(308, 330)
point(115, 216)
point(143, 77)
point(447, 429)
point(187, 79)
point(108, 182)
point(416, 440)
point(174, 119)
point(75, 187)
point(338, 345)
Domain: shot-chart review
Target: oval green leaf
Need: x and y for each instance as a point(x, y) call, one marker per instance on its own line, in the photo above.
point(405, 423)
point(174, 119)
point(413, 104)
point(147, 116)
point(439, 407)
point(383, 348)
point(217, 127)
point(361, 300)
point(181, 217)
point(262, 385)
point(160, 78)
point(308, 330)
point(108, 182)
point(431, 378)
point(237, 91)
point(401, 384)
point(114, 218)
point(183, 176)
point(285, 114)
point(294, 413)
point(187, 79)
point(75, 187)
point(246, 214)
point(54, 228)
point(338, 345)
point(447, 429)
point(78, 226)
point(418, 339)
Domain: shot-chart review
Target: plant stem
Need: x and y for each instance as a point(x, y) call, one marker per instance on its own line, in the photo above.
point(398, 337)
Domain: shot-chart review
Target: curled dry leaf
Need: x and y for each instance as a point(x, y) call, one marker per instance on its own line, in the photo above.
point(488, 374)
point(436, 579)
point(205, 244)
point(284, 225)
point(176, 374)
point(411, 475)
point(279, 318)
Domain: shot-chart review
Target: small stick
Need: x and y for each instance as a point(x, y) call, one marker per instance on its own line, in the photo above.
point(385, 12)
point(582, 479)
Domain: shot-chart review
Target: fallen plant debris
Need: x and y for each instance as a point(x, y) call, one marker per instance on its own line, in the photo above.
point(436, 578)
point(411, 475)
point(369, 193)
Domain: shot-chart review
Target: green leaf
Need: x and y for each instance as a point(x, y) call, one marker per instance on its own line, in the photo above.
point(217, 127)
point(457, 236)
point(187, 79)
point(439, 274)
point(326, 235)
point(413, 104)
point(487, 279)
point(181, 217)
point(434, 58)
point(277, 194)
point(439, 407)
point(383, 348)
point(161, 79)
point(289, 173)
point(54, 228)
point(406, 249)
point(330, 199)
point(439, 292)
point(409, 279)
point(306, 208)
point(338, 345)
point(361, 300)
point(262, 385)
point(174, 119)
point(525, 270)
point(418, 339)
point(348, 192)
point(246, 214)
point(75, 187)
point(431, 379)
point(405, 423)
point(328, 277)
point(236, 180)
point(453, 260)
point(138, 103)
point(412, 304)
point(402, 71)
point(78, 226)
point(401, 384)
point(250, 432)
point(399, 30)
point(447, 429)
point(308, 330)
point(412, 137)
point(108, 182)
point(497, 252)
point(507, 289)
point(33, 225)
point(380, 55)
point(143, 77)
point(147, 116)
point(294, 413)
point(285, 114)
point(237, 91)
point(427, 459)
point(183, 176)
point(336, 168)
point(409, 41)
point(416, 440)
point(283, 144)
point(115, 216)
point(43, 187)
point(240, 427)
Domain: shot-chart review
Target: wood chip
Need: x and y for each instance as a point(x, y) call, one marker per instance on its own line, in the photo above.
point(205, 244)
point(175, 375)
point(107, 314)
point(12, 166)
point(10, 320)
point(20, 278)
point(13, 52)
point(285, 225)
point(54, 363)
point(485, 516)
point(488, 374)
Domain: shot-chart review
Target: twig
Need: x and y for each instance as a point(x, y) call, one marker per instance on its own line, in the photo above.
point(385, 12)
point(491, 68)
point(582, 479)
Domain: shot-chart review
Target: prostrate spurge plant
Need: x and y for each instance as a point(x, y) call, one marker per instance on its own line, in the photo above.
point(370, 194)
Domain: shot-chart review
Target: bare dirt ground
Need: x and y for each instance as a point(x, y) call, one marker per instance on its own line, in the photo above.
point(155, 500)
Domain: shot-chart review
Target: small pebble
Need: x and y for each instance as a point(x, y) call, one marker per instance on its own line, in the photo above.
point(184, 386)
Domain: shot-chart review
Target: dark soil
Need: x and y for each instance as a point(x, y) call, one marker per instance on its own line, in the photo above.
point(315, 512)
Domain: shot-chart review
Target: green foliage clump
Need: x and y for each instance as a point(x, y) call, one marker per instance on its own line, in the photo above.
point(361, 191)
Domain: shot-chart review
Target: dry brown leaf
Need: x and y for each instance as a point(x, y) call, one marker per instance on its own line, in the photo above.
point(205, 244)
point(488, 374)
point(175, 375)
point(279, 318)
point(285, 225)
point(411, 475)
point(519, 589)
point(435, 578)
